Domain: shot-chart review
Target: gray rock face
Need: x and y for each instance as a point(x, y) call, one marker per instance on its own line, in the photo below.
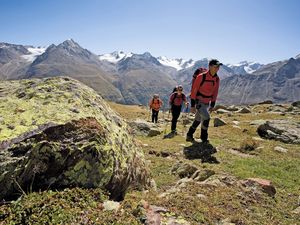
point(281, 130)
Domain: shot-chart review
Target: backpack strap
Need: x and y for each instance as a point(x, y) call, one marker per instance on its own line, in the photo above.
point(175, 96)
point(203, 80)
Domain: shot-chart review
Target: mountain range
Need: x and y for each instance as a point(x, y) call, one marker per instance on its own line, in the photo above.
point(132, 78)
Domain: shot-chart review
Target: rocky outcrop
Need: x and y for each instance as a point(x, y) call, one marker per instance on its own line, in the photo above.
point(95, 149)
point(281, 130)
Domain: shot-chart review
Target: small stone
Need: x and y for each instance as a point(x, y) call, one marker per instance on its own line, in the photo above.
point(280, 149)
point(74, 110)
point(165, 153)
point(11, 127)
point(296, 211)
point(219, 122)
point(111, 205)
point(257, 139)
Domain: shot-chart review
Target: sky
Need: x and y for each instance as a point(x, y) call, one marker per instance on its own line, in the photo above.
point(264, 31)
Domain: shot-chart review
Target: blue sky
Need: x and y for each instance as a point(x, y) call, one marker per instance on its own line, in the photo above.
point(230, 30)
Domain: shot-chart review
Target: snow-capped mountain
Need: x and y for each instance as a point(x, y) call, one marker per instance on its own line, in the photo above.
point(34, 52)
point(178, 64)
point(115, 57)
point(244, 67)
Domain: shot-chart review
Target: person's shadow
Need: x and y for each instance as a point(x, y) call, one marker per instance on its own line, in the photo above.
point(203, 151)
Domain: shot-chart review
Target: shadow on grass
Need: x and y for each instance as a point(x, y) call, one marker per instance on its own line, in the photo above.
point(203, 151)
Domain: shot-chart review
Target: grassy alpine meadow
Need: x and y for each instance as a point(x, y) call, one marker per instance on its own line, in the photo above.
point(188, 202)
point(282, 169)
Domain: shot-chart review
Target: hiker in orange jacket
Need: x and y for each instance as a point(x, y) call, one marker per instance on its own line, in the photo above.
point(155, 104)
point(203, 99)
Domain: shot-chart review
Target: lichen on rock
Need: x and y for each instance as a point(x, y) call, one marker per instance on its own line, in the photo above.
point(88, 148)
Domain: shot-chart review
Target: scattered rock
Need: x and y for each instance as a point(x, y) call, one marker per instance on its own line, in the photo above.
point(222, 111)
point(280, 149)
point(184, 169)
point(219, 122)
point(232, 108)
point(236, 122)
point(144, 128)
point(266, 185)
point(111, 206)
point(165, 153)
point(281, 130)
point(296, 211)
point(201, 175)
point(257, 139)
point(202, 196)
point(74, 110)
point(257, 122)
point(244, 110)
point(296, 104)
point(11, 127)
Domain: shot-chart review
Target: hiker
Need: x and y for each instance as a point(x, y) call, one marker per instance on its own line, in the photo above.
point(155, 104)
point(177, 98)
point(203, 99)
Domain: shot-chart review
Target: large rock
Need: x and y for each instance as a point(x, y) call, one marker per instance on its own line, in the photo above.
point(281, 130)
point(49, 150)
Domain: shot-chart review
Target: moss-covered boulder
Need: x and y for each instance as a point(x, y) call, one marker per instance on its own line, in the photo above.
point(54, 146)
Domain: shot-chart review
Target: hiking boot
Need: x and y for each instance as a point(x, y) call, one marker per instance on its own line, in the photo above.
point(189, 138)
point(174, 132)
point(205, 141)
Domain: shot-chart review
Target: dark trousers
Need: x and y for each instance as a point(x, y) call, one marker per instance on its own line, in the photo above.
point(175, 114)
point(154, 116)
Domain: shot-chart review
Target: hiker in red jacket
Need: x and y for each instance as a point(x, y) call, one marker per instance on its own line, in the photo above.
point(203, 99)
point(176, 100)
point(155, 104)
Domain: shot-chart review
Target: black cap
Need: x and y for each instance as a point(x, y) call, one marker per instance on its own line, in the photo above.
point(215, 62)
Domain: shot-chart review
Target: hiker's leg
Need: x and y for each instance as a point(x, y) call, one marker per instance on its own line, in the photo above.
point(205, 122)
point(175, 115)
point(196, 123)
point(193, 129)
point(156, 116)
point(153, 115)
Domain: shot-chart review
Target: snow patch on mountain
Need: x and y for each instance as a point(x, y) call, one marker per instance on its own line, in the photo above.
point(35, 52)
point(115, 57)
point(245, 66)
point(178, 64)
